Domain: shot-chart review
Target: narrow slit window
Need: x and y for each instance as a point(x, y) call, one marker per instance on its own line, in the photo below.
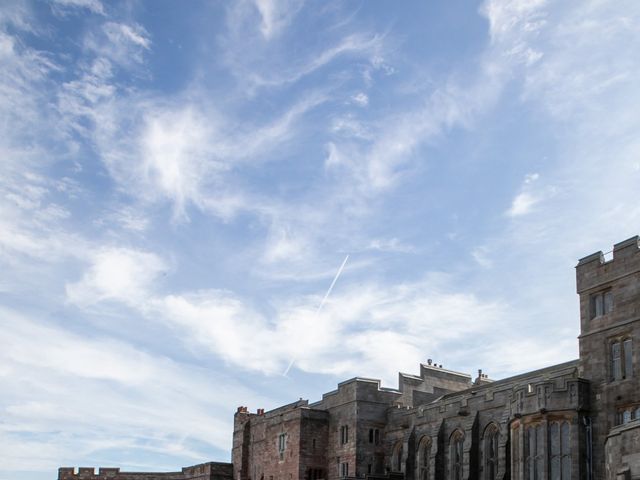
point(628, 358)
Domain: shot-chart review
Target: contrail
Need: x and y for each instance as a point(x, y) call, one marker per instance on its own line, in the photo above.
point(335, 279)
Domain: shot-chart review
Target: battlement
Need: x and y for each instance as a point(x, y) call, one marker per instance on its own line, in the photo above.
point(203, 471)
point(593, 270)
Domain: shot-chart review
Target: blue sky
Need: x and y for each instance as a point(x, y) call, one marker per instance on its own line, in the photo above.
point(180, 185)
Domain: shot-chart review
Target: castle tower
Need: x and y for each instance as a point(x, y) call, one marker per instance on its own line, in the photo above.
point(609, 343)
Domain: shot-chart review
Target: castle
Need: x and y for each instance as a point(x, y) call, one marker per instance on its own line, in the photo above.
point(578, 420)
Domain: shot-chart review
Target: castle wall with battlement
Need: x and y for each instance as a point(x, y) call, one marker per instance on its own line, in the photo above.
point(203, 471)
point(579, 420)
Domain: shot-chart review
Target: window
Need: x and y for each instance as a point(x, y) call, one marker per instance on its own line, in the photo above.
point(515, 451)
point(374, 436)
point(628, 358)
point(344, 469)
point(560, 452)
point(491, 438)
point(456, 452)
point(534, 453)
point(398, 453)
point(315, 474)
point(628, 414)
point(424, 453)
point(344, 434)
point(601, 303)
point(621, 360)
point(282, 444)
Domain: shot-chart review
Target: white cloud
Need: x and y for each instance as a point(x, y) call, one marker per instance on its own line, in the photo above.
point(481, 255)
point(276, 14)
point(177, 154)
point(390, 245)
point(71, 397)
point(412, 314)
point(271, 65)
point(284, 245)
point(121, 43)
point(377, 166)
point(356, 45)
point(187, 151)
point(360, 99)
point(522, 204)
point(118, 274)
point(94, 6)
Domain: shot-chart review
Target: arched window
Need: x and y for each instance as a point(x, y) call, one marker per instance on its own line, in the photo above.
point(456, 454)
point(490, 449)
point(424, 452)
point(534, 447)
point(560, 452)
point(515, 450)
point(396, 460)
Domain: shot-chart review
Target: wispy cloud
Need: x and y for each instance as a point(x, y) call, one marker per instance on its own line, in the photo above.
point(276, 14)
point(43, 366)
point(222, 322)
point(116, 274)
point(63, 6)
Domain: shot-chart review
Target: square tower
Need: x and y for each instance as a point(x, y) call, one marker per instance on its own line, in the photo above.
point(609, 340)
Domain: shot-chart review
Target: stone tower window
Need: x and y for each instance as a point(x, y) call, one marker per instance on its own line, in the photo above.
point(601, 303)
point(344, 434)
point(282, 444)
point(621, 359)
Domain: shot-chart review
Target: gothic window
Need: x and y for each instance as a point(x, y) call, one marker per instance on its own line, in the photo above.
point(515, 451)
point(456, 453)
point(560, 451)
point(374, 436)
point(601, 303)
point(621, 359)
point(491, 438)
point(397, 458)
point(534, 453)
point(424, 452)
point(344, 469)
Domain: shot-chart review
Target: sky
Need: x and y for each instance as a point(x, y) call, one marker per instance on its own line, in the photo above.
point(212, 204)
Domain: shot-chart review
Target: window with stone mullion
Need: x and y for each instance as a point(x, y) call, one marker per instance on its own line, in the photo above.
point(560, 436)
point(534, 448)
point(491, 455)
point(457, 456)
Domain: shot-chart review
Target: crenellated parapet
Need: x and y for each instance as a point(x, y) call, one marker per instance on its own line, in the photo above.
point(203, 471)
point(594, 270)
